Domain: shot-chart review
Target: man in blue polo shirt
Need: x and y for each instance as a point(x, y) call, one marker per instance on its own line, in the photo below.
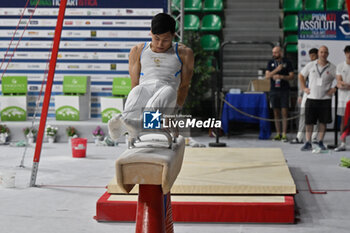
point(279, 71)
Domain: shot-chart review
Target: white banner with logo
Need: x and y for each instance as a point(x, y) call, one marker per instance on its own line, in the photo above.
point(329, 28)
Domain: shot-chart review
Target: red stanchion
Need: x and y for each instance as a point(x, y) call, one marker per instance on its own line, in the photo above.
point(150, 209)
point(46, 102)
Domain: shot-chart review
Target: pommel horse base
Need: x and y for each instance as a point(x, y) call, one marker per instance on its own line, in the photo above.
point(155, 169)
point(240, 185)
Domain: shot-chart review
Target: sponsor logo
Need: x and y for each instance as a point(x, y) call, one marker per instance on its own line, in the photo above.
point(22, 55)
point(13, 113)
point(192, 123)
point(33, 66)
point(151, 120)
point(41, 3)
point(157, 60)
point(345, 30)
point(33, 88)
point(92, 44)
point(317, 25)
point(67, 113)
point(33, 33)
point(76, 13)
point(71, 55)
point(108, 113)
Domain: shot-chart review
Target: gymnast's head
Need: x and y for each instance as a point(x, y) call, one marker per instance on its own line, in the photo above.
point(162, 32)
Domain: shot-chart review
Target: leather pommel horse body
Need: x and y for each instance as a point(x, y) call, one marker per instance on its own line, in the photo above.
point(155, 169)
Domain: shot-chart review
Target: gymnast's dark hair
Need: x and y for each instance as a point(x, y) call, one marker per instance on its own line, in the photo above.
point(347, 49)
point(163, 23)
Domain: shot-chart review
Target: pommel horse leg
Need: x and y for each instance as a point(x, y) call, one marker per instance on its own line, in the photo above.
point(155, 170)
point(153, 210)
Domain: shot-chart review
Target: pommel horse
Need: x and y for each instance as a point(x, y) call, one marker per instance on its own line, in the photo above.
point(155, 169)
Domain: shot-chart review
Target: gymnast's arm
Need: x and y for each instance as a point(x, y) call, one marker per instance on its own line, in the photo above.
point(135, 64)
point(187, 58)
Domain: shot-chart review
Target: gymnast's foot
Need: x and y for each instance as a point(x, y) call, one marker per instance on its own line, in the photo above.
point(116, 127)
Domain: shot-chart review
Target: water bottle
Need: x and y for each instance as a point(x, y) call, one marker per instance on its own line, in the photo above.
point(277, 83)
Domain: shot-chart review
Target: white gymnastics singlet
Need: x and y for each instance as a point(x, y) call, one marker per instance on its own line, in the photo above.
point(160, 67)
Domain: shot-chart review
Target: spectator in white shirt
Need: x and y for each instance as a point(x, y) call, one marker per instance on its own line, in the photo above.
point(343, 84)
point(318, 105)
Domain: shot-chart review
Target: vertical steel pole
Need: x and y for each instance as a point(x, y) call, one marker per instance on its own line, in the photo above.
point(47, 96)
point(182, 17)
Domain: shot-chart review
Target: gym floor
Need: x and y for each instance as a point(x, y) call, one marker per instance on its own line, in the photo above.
point(66, 201)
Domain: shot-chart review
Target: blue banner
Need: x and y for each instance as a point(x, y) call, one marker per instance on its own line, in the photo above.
point(90, 3)
point(324, 25)
point(96, 39)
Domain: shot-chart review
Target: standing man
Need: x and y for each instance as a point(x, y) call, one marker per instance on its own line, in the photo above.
point(318, 105)
point(279, 71)
point(343, 84)
point(301, 101)
point(160, 73)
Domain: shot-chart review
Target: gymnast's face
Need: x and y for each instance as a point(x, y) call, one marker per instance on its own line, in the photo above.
point(161, 42)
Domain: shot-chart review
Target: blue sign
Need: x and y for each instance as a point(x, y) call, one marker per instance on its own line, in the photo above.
point(151, 120)
point(324, 25)
point(89, 3)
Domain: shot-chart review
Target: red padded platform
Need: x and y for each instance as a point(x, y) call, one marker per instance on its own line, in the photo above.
point(194, 211)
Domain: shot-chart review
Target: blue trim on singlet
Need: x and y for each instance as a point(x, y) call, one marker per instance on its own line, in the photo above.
point(143, 49)
point(177, 73)
point(144, 46)
point(177, 52)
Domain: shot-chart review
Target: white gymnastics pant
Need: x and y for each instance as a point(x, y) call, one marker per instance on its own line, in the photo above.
point(151, 97)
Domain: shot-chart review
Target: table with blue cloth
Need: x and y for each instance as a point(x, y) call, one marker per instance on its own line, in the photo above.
point(252, 103)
